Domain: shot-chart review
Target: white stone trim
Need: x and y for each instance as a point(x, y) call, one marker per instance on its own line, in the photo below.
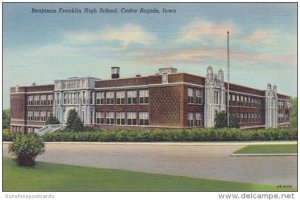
point(41, 92)
point(283, 100)
point(73, 89)
point(244, 93)
point(244, 107)
point(149, 85)
point(37, 126)
point(16, 119)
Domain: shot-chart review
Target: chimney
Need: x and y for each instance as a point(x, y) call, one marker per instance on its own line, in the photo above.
point(115, 72)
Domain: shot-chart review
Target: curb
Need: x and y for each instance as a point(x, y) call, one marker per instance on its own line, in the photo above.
point(262, 154)
point(227, 143)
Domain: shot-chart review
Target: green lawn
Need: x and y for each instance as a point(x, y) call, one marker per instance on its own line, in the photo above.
point(271, 148)
point(58, 177)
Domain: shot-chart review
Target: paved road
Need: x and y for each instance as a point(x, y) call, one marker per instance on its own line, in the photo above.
point(206, 160)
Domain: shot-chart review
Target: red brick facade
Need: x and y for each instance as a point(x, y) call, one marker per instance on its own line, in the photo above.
point(20, 107)
point(145, 102)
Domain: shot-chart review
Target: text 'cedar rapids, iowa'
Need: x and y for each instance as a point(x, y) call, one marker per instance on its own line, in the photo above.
point(102, 10)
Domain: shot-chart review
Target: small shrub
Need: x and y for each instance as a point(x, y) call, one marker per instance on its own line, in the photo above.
point(26, 148)
point(7, 136)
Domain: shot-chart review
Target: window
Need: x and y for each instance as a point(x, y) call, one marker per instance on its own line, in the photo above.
point(217, 97)
point(30, 130)
point(91, 117)
point(50, 99)
point(143, 118)
point(43, 116)
point(43, 100)
point(30, 116)
point(131, 118)
point(120, 118)
point(237, 98)
point(83, 117)
point(190, 95)
point(143, 96)
point(242, 98)
point(36, 116)
point(100, 98)
point(165, 78)
point(36, 100)
point(48, 114)
point(120, 95)
point(131, 97)
point(233, 97)
point(71, 96)
point(30, 100)
point(110, 118)
point(57, 98)
point(100, 117)
point(83, 97)
point(65, 98)
point(75, 98)
point(198, 119)
point(79, 98)
point(190, 119)
point(110, 97)
point(91, 97)
point(199, 96)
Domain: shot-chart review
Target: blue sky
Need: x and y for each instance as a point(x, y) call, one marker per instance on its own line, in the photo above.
point(43, 47)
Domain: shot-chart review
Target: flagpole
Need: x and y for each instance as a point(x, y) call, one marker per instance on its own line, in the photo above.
point(228, 72)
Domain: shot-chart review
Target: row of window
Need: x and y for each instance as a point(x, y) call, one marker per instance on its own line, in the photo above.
point(31, 130)
point(195, 119)
point(195, 96)
point(235, 99)
point(40, 100)
point(75, 98)
point(282, 104)
point(38, 116)
point(122, 118)
point(248, 117)
point(123, 97)
point(283, 117)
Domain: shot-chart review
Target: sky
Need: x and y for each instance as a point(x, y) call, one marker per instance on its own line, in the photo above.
point(43, 47)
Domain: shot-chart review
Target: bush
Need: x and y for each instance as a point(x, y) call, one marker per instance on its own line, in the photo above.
point(177, 135)
point(6, 135)
point(221, 120)
point(52, 120)
point(26, 148)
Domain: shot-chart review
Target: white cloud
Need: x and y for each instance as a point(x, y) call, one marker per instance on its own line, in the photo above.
point(258, 36)
point(202, 29)
point(125, 34)
point(129, 33)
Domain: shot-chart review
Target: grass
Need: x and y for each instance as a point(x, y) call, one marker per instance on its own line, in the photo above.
point(271, 148)
point(57, 177)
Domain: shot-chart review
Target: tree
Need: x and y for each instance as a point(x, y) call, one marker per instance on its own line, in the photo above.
point(5, 118)
point(52, 120)
point(234, 120)
point(221, 120)
point(294, 112)
point(74, 122)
